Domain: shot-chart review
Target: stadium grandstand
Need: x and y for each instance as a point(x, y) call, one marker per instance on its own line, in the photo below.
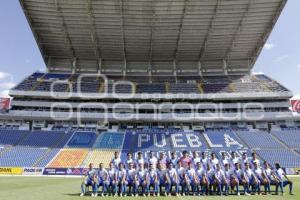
point(127, 76)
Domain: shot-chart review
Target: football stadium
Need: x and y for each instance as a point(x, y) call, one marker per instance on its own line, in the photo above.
point(149, 98)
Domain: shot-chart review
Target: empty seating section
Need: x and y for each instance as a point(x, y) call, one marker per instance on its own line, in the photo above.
point(42, 138)
point(121, 88)
point(290, 137)
point(183, 88)
point(11, 137)
point(47, 157)
point(259, 139)
point(163, 79)
point(63, 140)
point(21, 156)
point(225, 139)
point(211, 84)
point(99, 156)
point(88, 85)
point(216, 87)
point(285, 157)
point(151, 88)
point(69, 158)
point(109, 140)
point(82, 139)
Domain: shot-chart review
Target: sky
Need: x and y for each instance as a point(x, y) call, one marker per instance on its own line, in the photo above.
point(20, 56)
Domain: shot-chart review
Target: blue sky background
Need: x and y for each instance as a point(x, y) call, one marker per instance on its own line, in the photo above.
point(19, 54)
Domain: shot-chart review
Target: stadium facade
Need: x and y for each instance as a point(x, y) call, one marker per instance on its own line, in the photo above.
point(144, 75)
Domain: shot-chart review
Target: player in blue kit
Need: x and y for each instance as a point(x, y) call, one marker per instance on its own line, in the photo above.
point(220, 180)
point(192, 179)
point(142, 178)
point(163, 179)
point(102, 180)
point(231, 179)
point(242, 178)
point(111, 179)
point(152, 181)
point(120, 178)
point(272, 177)
point(281, 175)
point(262, 178)
point(203, 183)
point(88, 180)
point(173, 180)
point(253, 180)
point(132, 182)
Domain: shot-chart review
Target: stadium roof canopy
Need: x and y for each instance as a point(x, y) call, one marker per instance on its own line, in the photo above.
point(178, 37)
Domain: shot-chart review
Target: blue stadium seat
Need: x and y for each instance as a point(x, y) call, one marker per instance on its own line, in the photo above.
point(42, 138)
point(82, 139)
point(109, 140)
point(290, 137)
point(25, 157)
point(259, 139)
point(285, 157)
point(11, 137)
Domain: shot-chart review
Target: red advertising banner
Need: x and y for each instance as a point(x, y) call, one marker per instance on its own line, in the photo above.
point(295, 105)
point(4, 104)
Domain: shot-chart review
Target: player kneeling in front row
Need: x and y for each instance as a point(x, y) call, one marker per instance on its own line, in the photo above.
point(172, 180)
point(132, 180)
point(142, 178)
point(102, 180)
point(89, 180)
point(152, 181)
point(120, 181)
point(231, 180)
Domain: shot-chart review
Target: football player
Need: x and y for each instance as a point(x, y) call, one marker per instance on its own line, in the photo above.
point(152, 180)
point(242, 178)
point(102, 180)
point(281, 175)
point(120, 180)
point(173, 180)
point(88, 180)
point(132, 182)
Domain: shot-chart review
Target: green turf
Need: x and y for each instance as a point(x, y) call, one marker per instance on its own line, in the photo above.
point(44, 188)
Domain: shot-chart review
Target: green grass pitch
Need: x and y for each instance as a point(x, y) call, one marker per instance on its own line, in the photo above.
point(44, 188)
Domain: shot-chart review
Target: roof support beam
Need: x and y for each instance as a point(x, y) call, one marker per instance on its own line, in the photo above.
point(180, 29)
point(225, 67)
point(74, 65)
point(121, 2)
point(153, 17)
point(66, 34)
point(204, 44)
point(238, 30)
point(124, 69)
point(93, 30)
point(99, 62)
point(199, 68)
point(174, 68)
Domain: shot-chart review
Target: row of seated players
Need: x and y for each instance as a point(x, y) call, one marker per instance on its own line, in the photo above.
point(186, 175)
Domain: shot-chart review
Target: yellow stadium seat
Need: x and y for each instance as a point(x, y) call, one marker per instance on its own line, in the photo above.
point(69, 158)
point(99, 156)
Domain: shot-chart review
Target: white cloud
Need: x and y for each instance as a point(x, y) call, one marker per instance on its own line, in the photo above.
point(4, 75)
point(281, 58)
point(4, 93)
point(269, 46)
point(6, 83)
